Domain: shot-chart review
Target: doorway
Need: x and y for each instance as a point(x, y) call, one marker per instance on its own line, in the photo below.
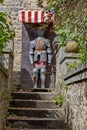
point(28, 34)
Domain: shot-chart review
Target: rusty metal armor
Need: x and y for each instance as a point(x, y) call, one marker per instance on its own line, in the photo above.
point(40, 51)
point(40, 47)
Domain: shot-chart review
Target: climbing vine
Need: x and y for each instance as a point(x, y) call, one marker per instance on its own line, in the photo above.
point(1, 1)
point(6, 31)
point(70, 22)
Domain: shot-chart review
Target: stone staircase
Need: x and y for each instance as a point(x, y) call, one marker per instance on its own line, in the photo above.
point(34, 110)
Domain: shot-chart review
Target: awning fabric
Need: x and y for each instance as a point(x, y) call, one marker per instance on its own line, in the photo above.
point(35, 16)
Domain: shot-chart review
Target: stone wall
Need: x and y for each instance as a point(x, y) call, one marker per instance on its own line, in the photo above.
point(6, 74)
point(63, 60)
point(12, 7)
point(76, 97)
point(73, 86)
point(3, 87)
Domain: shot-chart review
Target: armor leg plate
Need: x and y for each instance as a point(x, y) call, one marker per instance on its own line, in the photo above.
point(35, 77)
point(42, 75)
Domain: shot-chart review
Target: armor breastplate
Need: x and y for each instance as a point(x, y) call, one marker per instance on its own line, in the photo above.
point(40, 50)
point(40, 45)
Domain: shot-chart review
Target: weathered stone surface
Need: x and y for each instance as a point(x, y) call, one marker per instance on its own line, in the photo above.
point(6, 72)
point(76, 100)
point(36, 110)
point(3, 86)
point(75, 95)
point(12, 7)
point(62, 60)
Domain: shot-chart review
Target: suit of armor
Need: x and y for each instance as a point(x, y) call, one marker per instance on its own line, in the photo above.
point(40, 56)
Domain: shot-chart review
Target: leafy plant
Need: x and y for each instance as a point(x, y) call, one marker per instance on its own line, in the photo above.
point(72, 65)
point(39, 3)
point(59, 100)
point(1, 1)
point(65, 87)
point(83, 53)
point(66, 35)
point(6, 94)
point(6, 31)
point(70, 22)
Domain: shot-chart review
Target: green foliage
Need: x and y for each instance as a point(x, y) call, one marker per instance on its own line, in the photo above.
point(6, 94)
point(59, 100)
point(83, 53)
point(39, 3)
point(6, 31)
point(72, 65)
point(6, 124)
point(71, 22)
point(1, 1)
point(65, 87)
point(66, 35)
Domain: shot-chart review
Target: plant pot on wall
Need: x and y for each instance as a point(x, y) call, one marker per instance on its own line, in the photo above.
point(72, 46)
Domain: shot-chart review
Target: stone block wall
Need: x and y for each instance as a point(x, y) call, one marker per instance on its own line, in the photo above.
point(76, 97)
point(3, 88)
point(63, 59)
point(6, 74)
point(73, 86)
point(12, 7)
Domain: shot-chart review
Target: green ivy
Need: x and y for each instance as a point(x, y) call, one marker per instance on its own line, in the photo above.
point(39, 3)
point(72, 65)
point(1, 1)
point(6, 31)
point(83, 53)
point(71, 22)
point(59, 100)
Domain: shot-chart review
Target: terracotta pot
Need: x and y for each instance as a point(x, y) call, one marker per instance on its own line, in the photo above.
point(72, 46)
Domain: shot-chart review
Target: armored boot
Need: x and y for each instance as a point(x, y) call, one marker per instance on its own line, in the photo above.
point(42, 75)
point(35, 77)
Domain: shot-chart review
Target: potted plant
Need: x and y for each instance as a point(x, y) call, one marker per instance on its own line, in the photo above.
point(68, 39)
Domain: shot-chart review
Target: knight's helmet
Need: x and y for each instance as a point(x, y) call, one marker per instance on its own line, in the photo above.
point(40, 32)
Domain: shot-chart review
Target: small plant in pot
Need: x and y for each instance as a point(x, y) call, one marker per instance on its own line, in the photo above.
point(72, 41)
point(68, 39)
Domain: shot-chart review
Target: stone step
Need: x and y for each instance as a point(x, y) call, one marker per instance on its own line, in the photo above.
point(9, 128)
point(36, 123)
point(33, 95)
point(38, 89)
point(35, 112)
point(42, 89)
point(32, 103)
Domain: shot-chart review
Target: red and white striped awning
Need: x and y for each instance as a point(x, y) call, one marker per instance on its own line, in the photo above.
point(35, 16)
